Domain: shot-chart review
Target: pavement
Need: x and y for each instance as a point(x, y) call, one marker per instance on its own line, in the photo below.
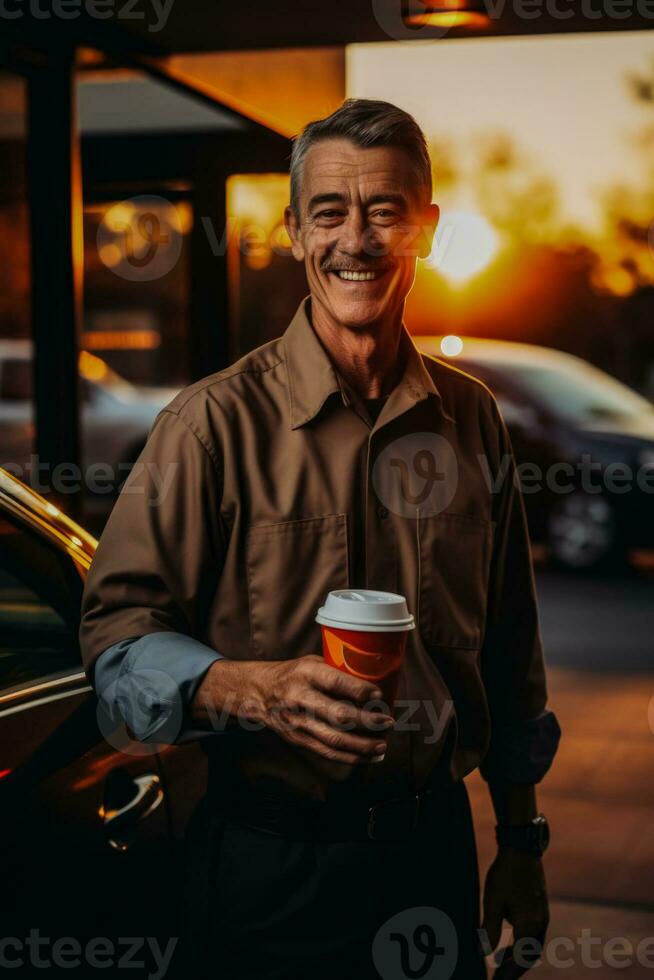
point(599, 794)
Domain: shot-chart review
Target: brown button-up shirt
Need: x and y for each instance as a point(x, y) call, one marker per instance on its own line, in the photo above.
point(265, 485)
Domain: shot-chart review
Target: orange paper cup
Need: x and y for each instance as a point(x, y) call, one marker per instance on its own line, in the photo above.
point(364, 634)
point(375, 657)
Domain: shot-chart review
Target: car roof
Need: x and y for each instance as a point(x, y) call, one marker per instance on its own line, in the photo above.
point(15, 347)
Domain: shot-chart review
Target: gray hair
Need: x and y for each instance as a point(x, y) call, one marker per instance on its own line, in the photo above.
point(366, 122)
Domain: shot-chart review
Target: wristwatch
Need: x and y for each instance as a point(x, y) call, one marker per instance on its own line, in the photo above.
point(533, 836)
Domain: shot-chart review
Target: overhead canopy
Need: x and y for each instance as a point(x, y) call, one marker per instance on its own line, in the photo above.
point(120, 105)
point(160, 27)
point(196, 25)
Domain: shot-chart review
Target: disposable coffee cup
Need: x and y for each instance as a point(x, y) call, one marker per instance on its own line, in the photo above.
point(364, 634)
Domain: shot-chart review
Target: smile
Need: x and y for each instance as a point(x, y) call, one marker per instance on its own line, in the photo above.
point(357, 276)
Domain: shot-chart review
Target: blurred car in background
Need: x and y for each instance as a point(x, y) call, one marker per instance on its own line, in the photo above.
point(90, 822)
point(590, 436)
point(116, 416)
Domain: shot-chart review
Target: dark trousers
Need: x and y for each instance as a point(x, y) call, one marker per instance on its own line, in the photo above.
point(262, 907)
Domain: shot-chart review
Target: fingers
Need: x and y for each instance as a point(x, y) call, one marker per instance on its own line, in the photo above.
point(525, 952)
point(342, 685)
point(345, 716)
point(532, 934)
point(326, 710)
point(363, 748)
point(335, 746)
point(529, 939)
point(508, 968)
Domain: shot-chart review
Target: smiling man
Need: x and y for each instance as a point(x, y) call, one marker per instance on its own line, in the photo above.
point(336, 838)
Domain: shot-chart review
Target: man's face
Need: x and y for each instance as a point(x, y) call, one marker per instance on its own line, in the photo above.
point(361, 229)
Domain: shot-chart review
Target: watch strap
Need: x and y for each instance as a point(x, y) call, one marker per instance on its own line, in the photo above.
point(532, 837)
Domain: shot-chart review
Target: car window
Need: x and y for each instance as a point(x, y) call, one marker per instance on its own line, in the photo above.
point(514, 407)
point(38, 600)
point(16, 379)
point(581, 392)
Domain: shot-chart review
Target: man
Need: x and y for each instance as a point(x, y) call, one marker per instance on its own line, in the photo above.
point(336, 457)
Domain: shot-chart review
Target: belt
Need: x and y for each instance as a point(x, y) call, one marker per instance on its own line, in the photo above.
point(389, 820)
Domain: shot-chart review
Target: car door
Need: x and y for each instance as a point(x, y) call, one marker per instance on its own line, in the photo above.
point(16, 414)
point(85, 827)
point(531, 440)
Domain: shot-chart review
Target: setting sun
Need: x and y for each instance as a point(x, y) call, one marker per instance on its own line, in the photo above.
point(465, 243)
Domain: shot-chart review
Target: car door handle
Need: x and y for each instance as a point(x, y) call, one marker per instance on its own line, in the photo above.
point(121, 822)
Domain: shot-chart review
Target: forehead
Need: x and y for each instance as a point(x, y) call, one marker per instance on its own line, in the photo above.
point(340, 165)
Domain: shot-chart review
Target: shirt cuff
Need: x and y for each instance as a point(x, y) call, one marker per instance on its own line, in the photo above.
point(522, 752)
point(150, 681)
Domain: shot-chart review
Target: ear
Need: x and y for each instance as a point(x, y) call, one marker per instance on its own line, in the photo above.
point(430, 218)
point(292, 226)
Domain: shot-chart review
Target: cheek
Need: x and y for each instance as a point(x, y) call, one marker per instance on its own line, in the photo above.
point(318, 240)
point(405, 246)
point(386, 246)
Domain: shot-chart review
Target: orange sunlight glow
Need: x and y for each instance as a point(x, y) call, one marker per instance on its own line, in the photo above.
point(464, 244)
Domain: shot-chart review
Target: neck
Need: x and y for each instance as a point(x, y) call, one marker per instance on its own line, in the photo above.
point(367, 357)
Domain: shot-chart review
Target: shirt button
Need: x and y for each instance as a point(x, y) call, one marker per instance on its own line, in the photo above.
point(382, 511)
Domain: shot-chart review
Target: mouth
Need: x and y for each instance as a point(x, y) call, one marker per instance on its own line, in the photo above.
point(347, 275)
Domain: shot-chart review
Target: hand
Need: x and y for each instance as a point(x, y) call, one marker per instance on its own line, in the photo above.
point(307, 702)
point(515, 890)
point(315, 706)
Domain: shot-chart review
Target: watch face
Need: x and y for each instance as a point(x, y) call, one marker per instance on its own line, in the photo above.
point(542, 832)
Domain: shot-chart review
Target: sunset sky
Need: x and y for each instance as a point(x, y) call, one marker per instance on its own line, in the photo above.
point(564, 100)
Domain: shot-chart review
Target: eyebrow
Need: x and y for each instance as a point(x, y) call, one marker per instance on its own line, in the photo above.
point(390, 197)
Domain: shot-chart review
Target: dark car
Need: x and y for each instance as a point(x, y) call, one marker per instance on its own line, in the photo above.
point(91, 822)
point(115, 417)
point(584, 443)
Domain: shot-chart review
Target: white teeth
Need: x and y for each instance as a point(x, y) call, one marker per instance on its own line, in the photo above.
point(357, 276)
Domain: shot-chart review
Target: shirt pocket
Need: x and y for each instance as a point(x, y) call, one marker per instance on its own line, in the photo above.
point(454, 565)
point(291, 566)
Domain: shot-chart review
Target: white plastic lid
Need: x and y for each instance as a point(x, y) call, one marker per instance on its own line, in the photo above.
point(366, 610)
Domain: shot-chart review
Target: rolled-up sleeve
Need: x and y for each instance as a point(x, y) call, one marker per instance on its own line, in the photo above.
point(150, 681)
point(525, 733)
point(153, 576)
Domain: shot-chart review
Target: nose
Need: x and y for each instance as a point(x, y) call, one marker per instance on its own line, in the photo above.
point(355, 238)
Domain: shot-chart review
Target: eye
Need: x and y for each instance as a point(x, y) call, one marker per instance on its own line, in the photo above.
point(329, 213)
point(384, 214)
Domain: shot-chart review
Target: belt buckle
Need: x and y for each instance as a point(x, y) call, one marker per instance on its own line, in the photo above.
point(413, 814)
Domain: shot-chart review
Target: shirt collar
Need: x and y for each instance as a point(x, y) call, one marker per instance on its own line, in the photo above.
point(312, 376)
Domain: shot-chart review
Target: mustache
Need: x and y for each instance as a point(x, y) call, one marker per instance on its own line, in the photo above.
point(333, 266)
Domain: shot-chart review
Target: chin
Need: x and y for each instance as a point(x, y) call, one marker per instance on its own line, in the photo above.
point(358, 314)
